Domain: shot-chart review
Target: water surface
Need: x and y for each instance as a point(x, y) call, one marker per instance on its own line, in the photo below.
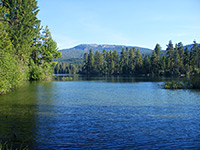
point(101, 113)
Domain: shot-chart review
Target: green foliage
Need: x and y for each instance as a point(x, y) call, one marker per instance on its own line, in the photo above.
point(10, 75)
point(25, 53)
point(6, 146)
point(196, 81)
point(177, 62)
point(178, 85)
point(42, 67)
point(66, 68)
point(23, 25)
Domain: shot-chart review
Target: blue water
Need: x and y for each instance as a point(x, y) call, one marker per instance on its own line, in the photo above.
point(100, 114)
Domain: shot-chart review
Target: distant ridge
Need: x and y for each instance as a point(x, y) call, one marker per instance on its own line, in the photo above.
point(75, 54)
point(79, 50)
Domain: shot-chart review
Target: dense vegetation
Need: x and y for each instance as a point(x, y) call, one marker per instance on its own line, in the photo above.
point(177, 61)
point(67, 68)
point(26, 53)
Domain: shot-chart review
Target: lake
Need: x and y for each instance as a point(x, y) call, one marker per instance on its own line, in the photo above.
point(100, 113)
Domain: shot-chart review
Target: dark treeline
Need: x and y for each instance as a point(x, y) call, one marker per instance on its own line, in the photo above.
point(26, 48)
point(177, 61)
point(67, 68)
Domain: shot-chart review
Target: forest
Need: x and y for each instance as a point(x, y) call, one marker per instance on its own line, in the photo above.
point(178, 61)
point(175, 61)
point(27, 49)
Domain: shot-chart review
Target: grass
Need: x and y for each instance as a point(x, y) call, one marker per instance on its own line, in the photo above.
point(6, 146)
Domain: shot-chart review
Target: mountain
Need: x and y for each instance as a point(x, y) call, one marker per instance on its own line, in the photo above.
point(75, 54)
point(78, 51)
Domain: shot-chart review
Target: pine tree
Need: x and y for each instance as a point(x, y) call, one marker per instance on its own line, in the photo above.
point(98, 65)
point(112, 64)
point(85, 65)
point(146, 65)
point(116, 62)
point(170, 50)
point(131, 61)
point(180, 49)
point(43, 68)
point(90, 62)
point(157, 49)
point(170, 56)
point(24, 25)
point(176, 69)
point(139, 61)
point(196, 57)
point(10, 75)
point(154, 63)
point(123, 62)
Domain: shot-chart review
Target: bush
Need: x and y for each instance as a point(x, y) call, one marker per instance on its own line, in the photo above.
point(10, 74)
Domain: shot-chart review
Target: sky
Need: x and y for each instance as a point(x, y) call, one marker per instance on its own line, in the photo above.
point(141, 23)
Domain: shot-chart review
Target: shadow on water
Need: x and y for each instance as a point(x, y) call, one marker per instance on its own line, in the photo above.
point(18, 115)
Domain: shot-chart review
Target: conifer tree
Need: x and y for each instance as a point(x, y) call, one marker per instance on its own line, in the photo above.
point(116, 61)
point(90, 62)
point(139, 61)
point(98, 65)
point(131, 61)
point(123, 62)
point(157, 49)
point(10, 75)
point(170, 56)
point(24, 25)
point(154, 63)
point(146, 65)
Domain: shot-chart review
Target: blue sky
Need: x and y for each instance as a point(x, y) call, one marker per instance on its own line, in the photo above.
point(128, 22)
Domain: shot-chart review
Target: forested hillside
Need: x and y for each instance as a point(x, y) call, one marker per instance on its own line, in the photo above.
point(79, 50)
point(26, 48)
